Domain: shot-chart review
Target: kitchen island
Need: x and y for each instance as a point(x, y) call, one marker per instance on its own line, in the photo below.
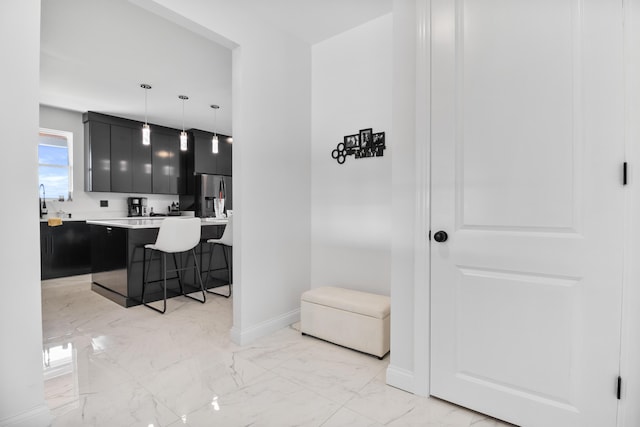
point(117, 259)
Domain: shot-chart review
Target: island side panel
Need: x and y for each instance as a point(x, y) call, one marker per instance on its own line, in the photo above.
point(109, 262)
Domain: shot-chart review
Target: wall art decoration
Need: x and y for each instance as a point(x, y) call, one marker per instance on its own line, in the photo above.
point(361, 145)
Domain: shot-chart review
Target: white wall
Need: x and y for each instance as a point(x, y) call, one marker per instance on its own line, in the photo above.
point(271, 100)
point(271, 109)
point(351, 203)
point(86, 205)
point(21, 389)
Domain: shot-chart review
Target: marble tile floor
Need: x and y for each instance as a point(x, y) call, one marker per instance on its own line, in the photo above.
point(105, 365)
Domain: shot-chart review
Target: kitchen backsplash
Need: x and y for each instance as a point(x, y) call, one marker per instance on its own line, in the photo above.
point(87, 205)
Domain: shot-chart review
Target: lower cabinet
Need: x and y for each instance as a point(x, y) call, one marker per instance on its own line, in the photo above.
point(65, 250)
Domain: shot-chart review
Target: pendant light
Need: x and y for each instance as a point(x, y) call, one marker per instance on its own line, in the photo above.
point(214, 140)
point(183, 134)
point(146, 130)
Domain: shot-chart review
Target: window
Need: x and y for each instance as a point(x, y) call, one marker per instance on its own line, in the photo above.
point(55, 162)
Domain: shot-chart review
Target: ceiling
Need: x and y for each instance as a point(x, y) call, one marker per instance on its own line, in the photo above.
point(316, 20)
point(96, 53)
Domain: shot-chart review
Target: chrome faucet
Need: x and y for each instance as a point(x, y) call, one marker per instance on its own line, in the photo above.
point(42, 203)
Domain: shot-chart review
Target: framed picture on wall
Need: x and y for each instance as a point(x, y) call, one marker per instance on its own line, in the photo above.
point(378, 139)
point(351, 143)
point(366, 138)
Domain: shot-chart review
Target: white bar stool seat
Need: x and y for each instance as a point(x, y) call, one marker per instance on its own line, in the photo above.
point(226, 242)
point(176, 235)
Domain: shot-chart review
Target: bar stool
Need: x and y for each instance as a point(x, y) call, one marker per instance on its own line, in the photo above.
point(226, 242)
point(176, 235)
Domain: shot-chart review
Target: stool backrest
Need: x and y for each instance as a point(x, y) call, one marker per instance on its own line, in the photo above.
point(227, 234)
point(178, 234)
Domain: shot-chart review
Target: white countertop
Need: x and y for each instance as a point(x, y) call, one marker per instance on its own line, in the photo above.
point(147, 222)
point(63, 219)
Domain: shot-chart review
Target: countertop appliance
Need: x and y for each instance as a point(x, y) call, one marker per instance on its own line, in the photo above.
point(136, 206)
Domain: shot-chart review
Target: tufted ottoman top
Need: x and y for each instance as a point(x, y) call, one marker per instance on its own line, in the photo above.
point(364, 303)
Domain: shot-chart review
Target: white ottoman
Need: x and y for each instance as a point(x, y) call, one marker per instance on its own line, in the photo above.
point(354, 319)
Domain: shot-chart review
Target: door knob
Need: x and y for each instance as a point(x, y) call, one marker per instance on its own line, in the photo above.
point(440, 236)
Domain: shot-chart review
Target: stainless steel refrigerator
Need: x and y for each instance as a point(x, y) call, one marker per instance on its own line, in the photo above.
point(208, 189)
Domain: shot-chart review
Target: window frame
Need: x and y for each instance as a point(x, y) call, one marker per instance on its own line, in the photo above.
point(69, 138)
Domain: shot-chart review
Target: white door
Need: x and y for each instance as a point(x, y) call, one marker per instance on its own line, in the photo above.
point(526, 164)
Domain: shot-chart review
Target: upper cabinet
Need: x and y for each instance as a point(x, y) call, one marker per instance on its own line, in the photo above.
point(225, 155)
point(121, 164)
point(117, 161)
point(204, 161)
point(130, 161)
point(141, 161)
point(166, 162)
point(97, 155)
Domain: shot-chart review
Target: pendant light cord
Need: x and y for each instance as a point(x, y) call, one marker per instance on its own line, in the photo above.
point(215, 119)
point(146, 88)
point(145, 106)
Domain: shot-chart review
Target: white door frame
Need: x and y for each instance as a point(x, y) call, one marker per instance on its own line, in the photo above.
point(629, 410)
point(422, 252)
point(629, 413)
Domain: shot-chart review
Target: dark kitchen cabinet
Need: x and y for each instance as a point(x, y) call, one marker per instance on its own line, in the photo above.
point(130, 161)
point(65, 250)
point(224, 160)
point(166, 162)
point(204, 160)
point(117, 161)
point(97, 156)
point(109, 257)
point(121, 170)
point(141, 164)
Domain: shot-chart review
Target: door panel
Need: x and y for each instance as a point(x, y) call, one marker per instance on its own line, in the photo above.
point(520, 298)
point(527, 148)
point(503, 56)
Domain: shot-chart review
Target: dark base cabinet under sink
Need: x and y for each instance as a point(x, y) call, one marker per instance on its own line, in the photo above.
point(65, 250)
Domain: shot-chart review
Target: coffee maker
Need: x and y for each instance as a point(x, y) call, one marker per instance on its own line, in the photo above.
point(137, 206)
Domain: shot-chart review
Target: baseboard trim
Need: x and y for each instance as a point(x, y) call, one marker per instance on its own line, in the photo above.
point(400, 378)
point(39, 416)
point(250, 334)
